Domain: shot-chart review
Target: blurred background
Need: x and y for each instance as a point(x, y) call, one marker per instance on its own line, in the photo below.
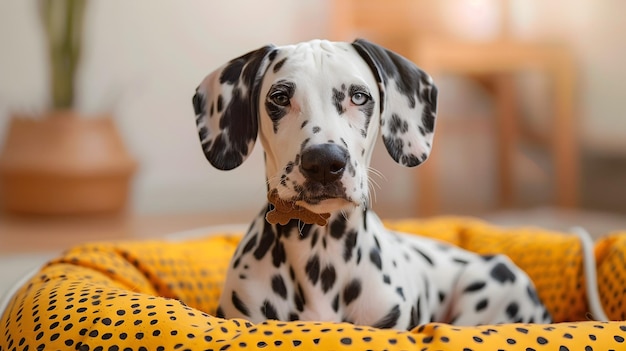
point(531, 126)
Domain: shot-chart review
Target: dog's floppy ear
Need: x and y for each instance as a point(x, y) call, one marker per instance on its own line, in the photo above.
point(226, 107)
point(408, 103)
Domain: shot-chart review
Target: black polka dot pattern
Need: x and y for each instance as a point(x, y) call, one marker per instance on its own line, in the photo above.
point(611, 257)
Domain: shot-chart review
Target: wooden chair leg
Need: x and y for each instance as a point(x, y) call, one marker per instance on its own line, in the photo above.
point(427, 179)
point(428, 196)
point(507, 126)
point(566, 155)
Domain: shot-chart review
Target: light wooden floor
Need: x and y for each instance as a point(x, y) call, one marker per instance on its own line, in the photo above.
point(19, 234)
point(45, 234)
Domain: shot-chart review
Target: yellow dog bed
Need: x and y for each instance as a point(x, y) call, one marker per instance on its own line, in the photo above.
point(161, 295)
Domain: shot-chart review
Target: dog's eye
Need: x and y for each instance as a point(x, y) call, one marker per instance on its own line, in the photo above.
point(279, 98)
point(359, 98)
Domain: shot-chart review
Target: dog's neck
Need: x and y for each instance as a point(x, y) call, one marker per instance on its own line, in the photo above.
point(339, 223)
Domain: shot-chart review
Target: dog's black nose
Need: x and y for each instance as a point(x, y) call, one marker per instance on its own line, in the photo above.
point(323, 163)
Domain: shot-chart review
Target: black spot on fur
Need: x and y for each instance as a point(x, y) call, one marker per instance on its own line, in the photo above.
point(512, 309)
point(278, 286)
point(232, 71)
point(533, 295)
point(335, 303)
point(416, 314)
point(352, 170)
point(352, 291)
point(338, 97)
point(460, 261)
point(313, 269)
point(502, 273)
point(430, 108)
point(304, 231)
point(220, 312)
point(425, 256)
point(349, 245)
point(292, 273)
point(412, 160)
point(376, 242)
point(338, 227)
point(298, 299)
point(481, 305)
point(272, 54)
point(375, 258)
point(239, 305)
point(400, 292)
point(279, 64)
point(314, 238)
point(475, 286)
point(546, 316)
point(220, 103)
point(328, 277)
point(278, 254)
point(221, 155)
point(289, 167)
point(398, 125)
point(304, 143)
point(203, 132)
point(267, 239)
point(284, 231)
point(249, 245)
point(390, 319)
point(199, 102)
point(269, 311)
point(426, 287)
point(386, 279)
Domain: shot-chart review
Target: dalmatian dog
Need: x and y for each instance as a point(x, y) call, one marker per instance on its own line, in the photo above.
point(318, 108)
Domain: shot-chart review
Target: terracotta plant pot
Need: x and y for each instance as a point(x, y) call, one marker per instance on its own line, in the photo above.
point(64, 164)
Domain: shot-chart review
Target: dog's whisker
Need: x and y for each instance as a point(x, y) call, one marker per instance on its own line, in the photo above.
point(270, 180)
point(371, 181)
point(372, 185)
point(371, 199)
point(301, 227)
point(344, 214)
point(376, 172)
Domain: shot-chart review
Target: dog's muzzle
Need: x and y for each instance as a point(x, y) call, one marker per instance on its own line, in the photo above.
point(323, 166)
point(323, 163)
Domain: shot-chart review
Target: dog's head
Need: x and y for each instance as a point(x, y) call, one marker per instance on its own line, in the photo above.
point(318, 108)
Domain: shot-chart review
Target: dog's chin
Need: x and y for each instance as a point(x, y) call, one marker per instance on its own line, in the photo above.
point(328, 205)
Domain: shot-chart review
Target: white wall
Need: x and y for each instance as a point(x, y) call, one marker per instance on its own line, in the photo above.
point(144, 58)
